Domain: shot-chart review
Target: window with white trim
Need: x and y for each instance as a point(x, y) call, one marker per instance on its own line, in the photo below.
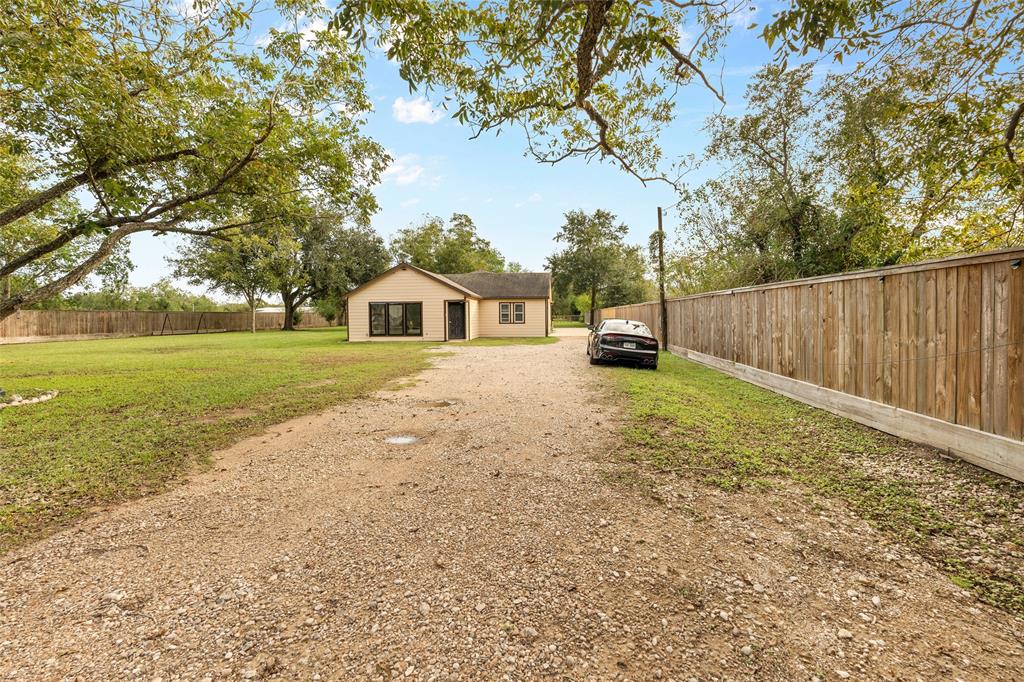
point(512, 312)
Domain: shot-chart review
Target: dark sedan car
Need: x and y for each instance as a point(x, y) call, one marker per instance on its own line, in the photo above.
point(623, 340)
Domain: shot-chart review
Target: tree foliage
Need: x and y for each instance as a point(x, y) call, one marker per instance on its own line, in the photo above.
point(237, 265)
point(581, 78)
point(596, 261)
point(827, 180)
point(163, 119)
point(456, 248)
point(320, 258)
point(163, 296)
point(958, 65)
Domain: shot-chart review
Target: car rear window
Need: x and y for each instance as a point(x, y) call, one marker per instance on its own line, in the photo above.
point(627, 328)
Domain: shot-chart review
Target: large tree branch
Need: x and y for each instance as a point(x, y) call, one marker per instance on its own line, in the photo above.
point(683, 60)
point(8, 306)
point(1011, 133)
point(586, 77)
point(100, 169)
point(150, 213)
point(37, 252)
point(597, 18)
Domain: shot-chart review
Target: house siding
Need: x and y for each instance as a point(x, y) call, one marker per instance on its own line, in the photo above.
point(473, 310)
point(537, 319)
point(404, 285)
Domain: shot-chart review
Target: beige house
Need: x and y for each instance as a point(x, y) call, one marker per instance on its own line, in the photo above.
point(412, 304)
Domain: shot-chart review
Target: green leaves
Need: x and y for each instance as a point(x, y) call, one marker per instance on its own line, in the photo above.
point(582, 79)
point(453, 249)
point(167, 117)
point(596, 261)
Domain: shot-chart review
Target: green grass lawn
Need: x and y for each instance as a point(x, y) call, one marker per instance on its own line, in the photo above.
point(569, 323)
point(690, 420)
point(510, 341)
point(134, 414)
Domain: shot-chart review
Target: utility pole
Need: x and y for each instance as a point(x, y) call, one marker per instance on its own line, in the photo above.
point(661, 283)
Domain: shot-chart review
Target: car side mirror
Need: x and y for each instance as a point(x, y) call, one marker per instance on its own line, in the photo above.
point(590, 327)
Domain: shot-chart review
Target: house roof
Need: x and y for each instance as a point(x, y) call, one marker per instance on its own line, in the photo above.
point(505, 284)
point(432, 275)
point(483, 284)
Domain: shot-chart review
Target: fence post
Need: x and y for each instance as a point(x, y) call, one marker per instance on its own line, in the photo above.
point(661, 283)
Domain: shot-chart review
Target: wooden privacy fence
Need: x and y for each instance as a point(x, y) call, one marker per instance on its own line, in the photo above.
point(933, 351)
point(55, 325)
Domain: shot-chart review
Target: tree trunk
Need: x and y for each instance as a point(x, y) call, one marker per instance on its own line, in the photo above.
point(289, 311)
point(252, 310)
point(593, 303)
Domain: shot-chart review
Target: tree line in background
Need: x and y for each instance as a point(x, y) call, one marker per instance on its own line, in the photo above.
point(320, 263)
point(162, 296)
point(165, 118)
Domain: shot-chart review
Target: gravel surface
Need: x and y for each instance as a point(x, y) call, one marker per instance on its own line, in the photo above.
point(501, 545)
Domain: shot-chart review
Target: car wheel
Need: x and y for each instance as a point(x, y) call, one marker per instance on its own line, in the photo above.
point(594, 361)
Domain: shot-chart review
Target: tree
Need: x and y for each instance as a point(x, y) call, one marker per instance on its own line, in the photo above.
point(582, 78)
point(161, 296)
point(456, 248)
point(322, 258)
point(595, 259)
point(237, 265)
point(916, 185)
point(958, 67)
point(864, 184)
point(165, 120)
point(768, 214)
point(627, 280)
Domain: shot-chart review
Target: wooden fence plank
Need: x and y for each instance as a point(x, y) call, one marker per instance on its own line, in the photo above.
point(969, 376)
point(999, 381)
point(987, 342)
point(1015, 352)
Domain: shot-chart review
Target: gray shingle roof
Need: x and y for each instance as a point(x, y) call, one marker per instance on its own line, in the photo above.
point(505, 284)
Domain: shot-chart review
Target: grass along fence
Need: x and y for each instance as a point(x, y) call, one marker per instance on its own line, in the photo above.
point(932, 352)
point(27, 326)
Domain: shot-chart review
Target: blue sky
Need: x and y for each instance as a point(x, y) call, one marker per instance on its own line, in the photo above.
point(515, 202)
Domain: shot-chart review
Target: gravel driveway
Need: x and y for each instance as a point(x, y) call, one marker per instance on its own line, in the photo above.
point(505, 544)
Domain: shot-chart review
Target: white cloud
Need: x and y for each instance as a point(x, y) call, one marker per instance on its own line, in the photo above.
point(408, 169)
point(310, 30)
point(744, 16)
point(307, 31)
point(534, 198)
point(418, 110)
point(187, 10)
point(404, 170)
point(409, 202)
point(684, 38)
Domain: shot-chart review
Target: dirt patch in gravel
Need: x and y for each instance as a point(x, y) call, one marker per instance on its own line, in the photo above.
point(505, 544)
